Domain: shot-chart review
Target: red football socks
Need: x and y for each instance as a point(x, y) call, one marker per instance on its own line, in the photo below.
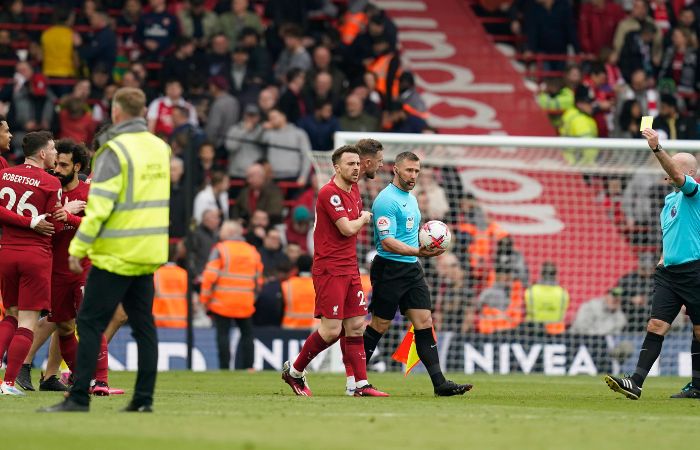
point(101, 370)
point(18, 350)
point(346, 361)
point(69, 347)
point(8, 327)
point(312, 347)
point(355, 353)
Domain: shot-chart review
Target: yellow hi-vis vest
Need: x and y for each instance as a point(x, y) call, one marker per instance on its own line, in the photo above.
point(125, 228)
point(547, 304)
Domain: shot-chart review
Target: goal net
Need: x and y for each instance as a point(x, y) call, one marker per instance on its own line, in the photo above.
point(555, 241)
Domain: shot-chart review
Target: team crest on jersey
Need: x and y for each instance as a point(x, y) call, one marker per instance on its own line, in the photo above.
point(335, 310)
point(335, 200)
point(383, 223)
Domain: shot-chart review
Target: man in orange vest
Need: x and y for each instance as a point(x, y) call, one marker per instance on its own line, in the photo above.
point(386, 67)
point(230, 283)
point(501, 304)
point(299, 298)
point(170, 299)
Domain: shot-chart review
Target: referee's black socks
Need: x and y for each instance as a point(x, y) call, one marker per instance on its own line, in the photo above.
point(371, 338)
point(695, 358)
point(651, 348)
point(428, 354)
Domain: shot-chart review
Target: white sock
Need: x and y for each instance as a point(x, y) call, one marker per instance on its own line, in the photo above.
point(350, 383)
point(361, 383)
point(294, 372)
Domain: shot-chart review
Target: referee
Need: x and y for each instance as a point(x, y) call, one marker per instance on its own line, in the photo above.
point(397, 277)
point(125, 235)
point(677, 277)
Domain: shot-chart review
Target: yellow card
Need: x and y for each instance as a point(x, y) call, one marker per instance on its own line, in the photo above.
point(647, 121)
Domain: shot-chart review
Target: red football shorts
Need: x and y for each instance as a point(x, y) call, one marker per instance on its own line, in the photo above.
point(26, 278)
point(66, 296)
point(339, 296)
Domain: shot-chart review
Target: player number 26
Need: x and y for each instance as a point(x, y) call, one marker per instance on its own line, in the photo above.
point(22, 205)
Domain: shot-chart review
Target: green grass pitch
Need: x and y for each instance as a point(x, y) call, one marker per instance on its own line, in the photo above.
point(241, 410)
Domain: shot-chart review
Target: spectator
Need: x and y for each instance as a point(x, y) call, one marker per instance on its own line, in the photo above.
point(294, 55)
point(7, 53)
point(183, 64)
point(239, 18)
point(230, 283)
point(130, 15)
point(178, 216)
point(379, 27)
point(679, 66)
point(157, 31)
point(243, 142)
point(638, 15)
point(299, 229)
point(573, 77)
point(298, 294)
point(321, 126)
point(500, 306)
point(197, 22)
point(99, 80)
point(271, 252)
point(259, 62)
point(438, 205)
point(550, 29)
point(291, 102)
point(100, 49)
point(245, 85)
point(185, 137)
point(546, 302)
point(453, 308)
point(386, 68)
point(321, 91)
point(57, 47)
point(14, 14)
point(506, 254)
point(603, 97)
point(578, 122)
point(309, 195)
point(322, 62)
point(601, 316)
point(223, 113)
point(399, 121)
point(636, 52)
point(293, 252)
point(555, 99)
point(214, 196)
point(159, 115)
point(287, 147)
point(597, 22)
point(637, 291)
point(609, 58)
point(257, 228)
point(355, 118)
point(412, 101)
point(259, 193)
point(267, 100)
point(75, 120)
point(670, 124)
point(219, 55)
point(639, 89)
point(269, 304)
point(199, 243)
point(31, 103)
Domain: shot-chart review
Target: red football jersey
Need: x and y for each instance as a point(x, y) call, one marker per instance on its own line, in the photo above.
point(61, 240)
point(28, 191)
point(3, 163)
point(334, 253)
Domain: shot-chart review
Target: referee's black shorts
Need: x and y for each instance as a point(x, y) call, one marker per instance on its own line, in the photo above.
point(675, 286)
point(397, 285)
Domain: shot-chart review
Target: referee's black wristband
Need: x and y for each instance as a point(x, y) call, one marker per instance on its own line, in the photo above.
point(657, 149)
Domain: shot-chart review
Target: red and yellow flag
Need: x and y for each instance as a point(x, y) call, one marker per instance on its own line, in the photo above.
point(406, 352)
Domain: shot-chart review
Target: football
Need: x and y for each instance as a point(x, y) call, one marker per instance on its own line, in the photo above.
point(434, 234)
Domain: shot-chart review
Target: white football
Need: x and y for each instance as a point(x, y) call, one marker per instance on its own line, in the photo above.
point(434, 234)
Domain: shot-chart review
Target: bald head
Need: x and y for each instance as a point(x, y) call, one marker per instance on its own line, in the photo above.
point(687, 163)
point(230, 230)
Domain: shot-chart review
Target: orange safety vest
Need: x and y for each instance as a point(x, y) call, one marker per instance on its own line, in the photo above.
point(170, 299)
point(492, 319)
point(480, 249)
point(231, 279)
point(299, 302)
point(380, 68)
point(352, 25)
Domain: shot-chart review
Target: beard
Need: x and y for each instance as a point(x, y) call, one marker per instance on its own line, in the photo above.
point(64, 179)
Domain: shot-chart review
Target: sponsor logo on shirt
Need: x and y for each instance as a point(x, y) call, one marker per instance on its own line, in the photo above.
point(383, 223)
point(409, 223)
point(335, 200)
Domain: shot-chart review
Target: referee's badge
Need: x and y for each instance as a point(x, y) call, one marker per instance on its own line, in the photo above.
point(335, 200)
point(383, 223)
point(409, 223)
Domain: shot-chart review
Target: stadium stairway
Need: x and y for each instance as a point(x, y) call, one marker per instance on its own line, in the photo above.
point(470, 87)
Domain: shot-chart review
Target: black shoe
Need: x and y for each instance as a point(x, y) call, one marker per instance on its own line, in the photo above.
point(625, 386)
point(688, 391)
point(67, 405)
point(24, 377)
point(450, 388)
point(52, 384)
point(132, 407)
